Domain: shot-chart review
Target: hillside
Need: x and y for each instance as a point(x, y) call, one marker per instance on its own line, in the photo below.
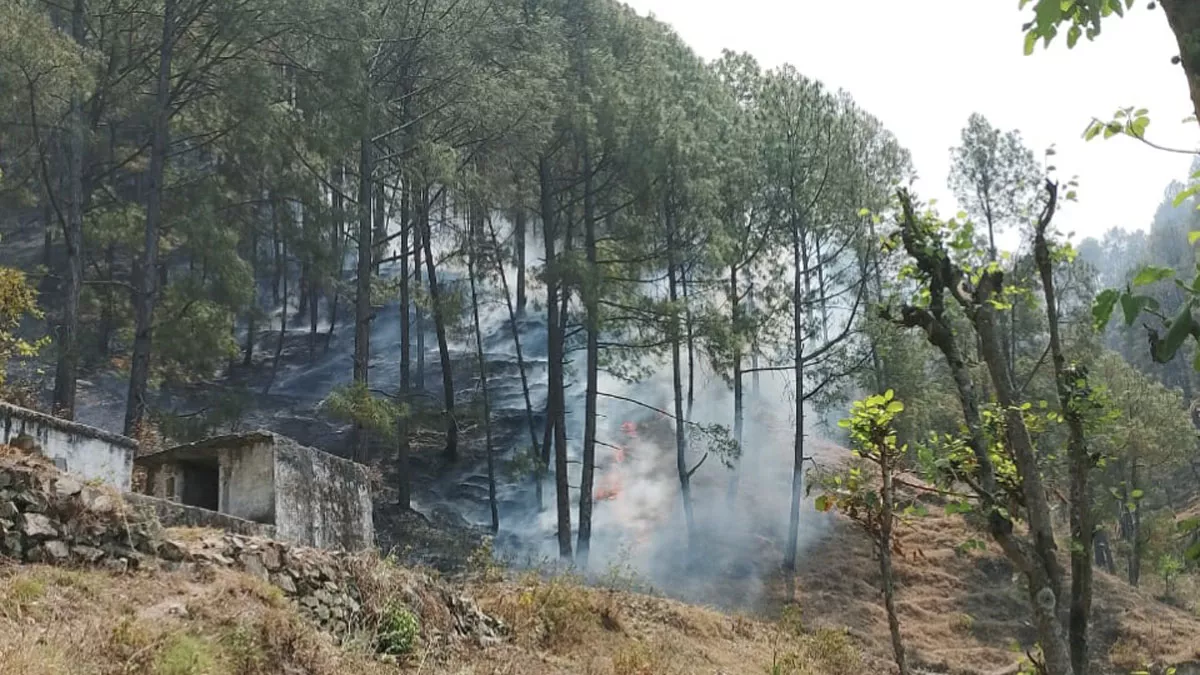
point(193, 601)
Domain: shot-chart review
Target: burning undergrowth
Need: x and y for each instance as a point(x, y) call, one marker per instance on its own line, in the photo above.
point(740, 505)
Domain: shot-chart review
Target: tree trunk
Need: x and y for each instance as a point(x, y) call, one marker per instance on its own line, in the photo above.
point(885, 559)
point(590, 291)
point(139, 372)
point(519, 257)
point(474, 234)
point(362, 295)
point(556, 400)
point(403, 485)
point(378, 253)
point(535, 452)
point(67, 338)
point(439, 324)
point(681, 444)
point(418, 316)
point(1137, 543)
point(252, 312)
point(108, 309)
point(738, 398)
point(1079, 460)
point(283, 313)
point(1184, 18)
point(799, 278)
point(339, 251)
point(691, 342)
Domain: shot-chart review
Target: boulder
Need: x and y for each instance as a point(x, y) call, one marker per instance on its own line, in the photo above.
point(37, 525)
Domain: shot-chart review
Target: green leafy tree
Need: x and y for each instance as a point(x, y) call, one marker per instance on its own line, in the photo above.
point(870, 501)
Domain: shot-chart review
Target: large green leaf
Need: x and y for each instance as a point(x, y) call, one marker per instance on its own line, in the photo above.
point(1102, 308)
point(1132, 306)
point(1152, 274)
point(1181, 327)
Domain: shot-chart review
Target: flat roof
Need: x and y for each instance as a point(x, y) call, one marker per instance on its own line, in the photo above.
point(10, 411)
point(207, 448)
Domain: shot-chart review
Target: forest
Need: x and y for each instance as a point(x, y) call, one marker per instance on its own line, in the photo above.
point(544, 248)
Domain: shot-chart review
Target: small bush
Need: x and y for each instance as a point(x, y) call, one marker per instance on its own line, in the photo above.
point(185, 655)
point(398, 631)
point(22, 593)
point(638, 658)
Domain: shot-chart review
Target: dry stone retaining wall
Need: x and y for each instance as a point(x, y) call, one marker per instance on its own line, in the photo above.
point(50, 517)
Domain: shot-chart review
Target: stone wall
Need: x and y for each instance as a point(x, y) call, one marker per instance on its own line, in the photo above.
point(90, 453)
point(49, 517)
point(174, 514)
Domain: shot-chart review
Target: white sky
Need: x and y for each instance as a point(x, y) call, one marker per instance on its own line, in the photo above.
point(923, 66)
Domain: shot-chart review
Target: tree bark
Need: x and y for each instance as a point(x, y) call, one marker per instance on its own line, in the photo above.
point(252, 312)
point(556, 400)
point(535, 451)
point(799, 278)
point(418, 233)
point(590, 291)
point(67, 370)
point(1184, 19)
point(439, 324)
point(283, 311)
point(519, 257)
point(339, 251)
point(1079, 461)
point(735, 311)
point(403, 485)
point(362, 295)
point(139, 372)
point(887, 497)
point(681, 444)
point(476, 229)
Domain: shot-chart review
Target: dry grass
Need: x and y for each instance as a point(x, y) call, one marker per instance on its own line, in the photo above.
point(966, 611)
point(90, 622)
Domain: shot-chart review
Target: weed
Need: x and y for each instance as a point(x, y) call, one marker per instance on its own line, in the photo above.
point(21, 594)
point(185, 655)
point(637, 658)
point(399, 629)
point(791, 619)
point(482, 563)
point(244, 649)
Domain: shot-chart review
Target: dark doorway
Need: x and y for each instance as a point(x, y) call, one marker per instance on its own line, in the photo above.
point(200, 483)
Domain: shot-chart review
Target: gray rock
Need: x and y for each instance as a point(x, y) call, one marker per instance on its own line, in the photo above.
point(251, 563)
point(38, 525)
point(31, 501)
point(322, 613)
point(271, 559)
point(6, 479)
point(88, 554)
point(116, 565)
point(8, 509)
point(12, 544)
point(285, 583)
point(57, 550)
point(65, 486)
point(97, 500)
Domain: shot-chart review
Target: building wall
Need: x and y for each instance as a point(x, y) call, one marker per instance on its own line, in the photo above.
point(321, 500)
point(90, 453)
point(248, 482)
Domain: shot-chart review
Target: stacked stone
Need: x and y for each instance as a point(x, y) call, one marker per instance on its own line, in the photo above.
point(49, 517)
point(320, 582)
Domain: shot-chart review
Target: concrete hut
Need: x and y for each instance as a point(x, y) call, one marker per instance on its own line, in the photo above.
point(304, 495)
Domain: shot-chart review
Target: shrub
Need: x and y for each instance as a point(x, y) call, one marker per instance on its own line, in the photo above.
point(398, 630)
point(185, 655)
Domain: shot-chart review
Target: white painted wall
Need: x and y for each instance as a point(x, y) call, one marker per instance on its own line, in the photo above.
point(90, 454)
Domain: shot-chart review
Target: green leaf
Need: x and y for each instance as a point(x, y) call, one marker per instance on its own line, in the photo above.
point(1073, 36)
point(1181, 327)
point(823, 503)
point(1132, 306)
point(1092, 131)
point(1137, 494)
point(1152, 274)
point(895, 407)
point(1193, 236)
point(1102, 308)
point(1030, 42)
point(1185, 194)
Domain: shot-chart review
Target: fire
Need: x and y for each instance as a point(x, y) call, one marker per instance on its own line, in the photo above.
point(609, 488)
point(619, 454)
point(630, 429)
